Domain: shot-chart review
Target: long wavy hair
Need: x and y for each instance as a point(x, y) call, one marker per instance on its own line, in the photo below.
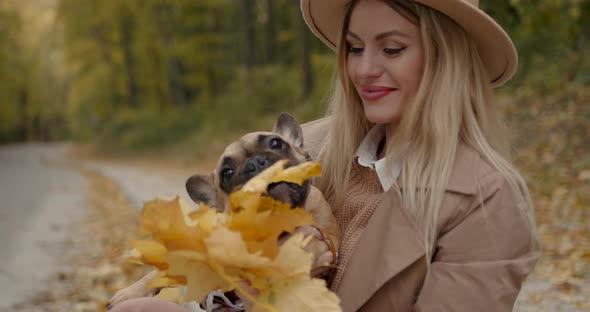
point(452, 105)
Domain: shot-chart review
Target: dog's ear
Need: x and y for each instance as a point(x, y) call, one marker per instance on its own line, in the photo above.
point(201, 189)
point(290, 129)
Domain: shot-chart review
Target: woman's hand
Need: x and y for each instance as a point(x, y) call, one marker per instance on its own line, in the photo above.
point(319, 246)
point(249, 292)
point(136, 290)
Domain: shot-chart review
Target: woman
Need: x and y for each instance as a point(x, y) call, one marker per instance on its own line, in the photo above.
point(433, 215)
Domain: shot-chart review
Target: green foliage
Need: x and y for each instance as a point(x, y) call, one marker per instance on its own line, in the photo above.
point(551, 37)
point(30, 87)
point(251, 100)
point(137, 74)
point(142, 129)
point(10, 86)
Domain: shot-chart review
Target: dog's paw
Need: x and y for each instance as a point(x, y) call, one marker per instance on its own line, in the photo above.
point(323, 265)
point(319, 247)
point(325, 259)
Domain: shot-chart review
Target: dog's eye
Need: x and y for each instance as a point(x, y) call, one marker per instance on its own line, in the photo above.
point(226, 174)
point(276, 143)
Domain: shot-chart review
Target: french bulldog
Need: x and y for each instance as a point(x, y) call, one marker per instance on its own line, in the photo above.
point(243, 160)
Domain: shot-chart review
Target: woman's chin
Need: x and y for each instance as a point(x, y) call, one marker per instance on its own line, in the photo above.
point(381, 118)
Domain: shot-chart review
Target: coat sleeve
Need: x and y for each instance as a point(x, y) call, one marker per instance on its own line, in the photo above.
point(481, 263)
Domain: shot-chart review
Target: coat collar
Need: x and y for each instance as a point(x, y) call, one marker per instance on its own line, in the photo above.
point(463, 177)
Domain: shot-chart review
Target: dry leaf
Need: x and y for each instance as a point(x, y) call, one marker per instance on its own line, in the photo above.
point(299, 294)
point(207, 250)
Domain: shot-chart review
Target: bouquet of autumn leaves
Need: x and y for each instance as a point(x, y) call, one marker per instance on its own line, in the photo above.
point(206, 250)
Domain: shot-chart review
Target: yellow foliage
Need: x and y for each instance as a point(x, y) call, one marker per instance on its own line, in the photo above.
point(207, 250)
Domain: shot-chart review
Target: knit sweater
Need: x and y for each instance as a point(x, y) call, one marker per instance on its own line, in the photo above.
point(363, 194)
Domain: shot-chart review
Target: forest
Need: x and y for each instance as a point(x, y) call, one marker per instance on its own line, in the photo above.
point(139, 74)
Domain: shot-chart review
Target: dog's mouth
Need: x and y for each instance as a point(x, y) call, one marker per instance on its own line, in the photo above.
point(289, 193)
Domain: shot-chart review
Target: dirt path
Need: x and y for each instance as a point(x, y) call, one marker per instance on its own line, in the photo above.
point(40, 199)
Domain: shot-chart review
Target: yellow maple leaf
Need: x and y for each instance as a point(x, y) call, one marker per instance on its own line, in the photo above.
point(163, 218)
point(298, 174)
point(167, 281)
point(151, 252)
point(291, 260)
point(171, 294)
point(208, 250)
point(169, 222)
point(298, 294)
point(200, 278)
point(227, 248)
point(260, 182)
point(268, 224)
point(207, 218)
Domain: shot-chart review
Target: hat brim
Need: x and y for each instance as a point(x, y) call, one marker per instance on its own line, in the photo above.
point(325, 17)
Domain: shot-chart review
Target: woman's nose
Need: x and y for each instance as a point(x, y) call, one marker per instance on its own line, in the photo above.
point(369, 66)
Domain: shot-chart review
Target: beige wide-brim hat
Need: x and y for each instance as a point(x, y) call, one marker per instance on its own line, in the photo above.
point(325, 18)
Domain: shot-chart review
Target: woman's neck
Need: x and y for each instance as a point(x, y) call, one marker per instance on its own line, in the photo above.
point(389, 132)
point(381, 148)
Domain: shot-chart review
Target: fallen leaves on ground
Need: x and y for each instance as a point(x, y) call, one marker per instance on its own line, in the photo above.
point(552, 145)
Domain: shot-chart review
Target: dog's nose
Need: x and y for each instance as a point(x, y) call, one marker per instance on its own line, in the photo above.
point(256, 164)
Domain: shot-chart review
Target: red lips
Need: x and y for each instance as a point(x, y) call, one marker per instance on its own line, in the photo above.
point(374, 93)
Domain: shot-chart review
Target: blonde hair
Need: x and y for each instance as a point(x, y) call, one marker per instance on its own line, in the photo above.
point(452, 105)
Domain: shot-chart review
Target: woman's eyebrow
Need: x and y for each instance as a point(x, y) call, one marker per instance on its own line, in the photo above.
point(391, 33)
point(381, 35)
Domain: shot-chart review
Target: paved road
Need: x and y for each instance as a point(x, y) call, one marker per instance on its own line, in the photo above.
point(39, 198)
point(140, 184)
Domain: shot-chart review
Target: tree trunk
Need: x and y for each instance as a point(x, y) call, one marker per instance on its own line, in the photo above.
point(249, 22)
point(105, 49)
point(271, 32)
point(127, 45)
point(306, 59)
point(174, 66)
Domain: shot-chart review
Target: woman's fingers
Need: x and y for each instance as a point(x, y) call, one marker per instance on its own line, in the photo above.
point(247, 292)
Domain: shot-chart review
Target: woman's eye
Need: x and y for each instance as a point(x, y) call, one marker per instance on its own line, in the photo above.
point(276, 144)
point(355, 50)
point(227, 173)
point(393, 51)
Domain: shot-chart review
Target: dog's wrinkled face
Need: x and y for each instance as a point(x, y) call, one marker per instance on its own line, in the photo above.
point(248, 157)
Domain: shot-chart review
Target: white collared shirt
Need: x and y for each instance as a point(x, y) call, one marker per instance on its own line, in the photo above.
point(366, 156)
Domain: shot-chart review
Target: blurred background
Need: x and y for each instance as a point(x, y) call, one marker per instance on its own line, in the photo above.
point(148, 91)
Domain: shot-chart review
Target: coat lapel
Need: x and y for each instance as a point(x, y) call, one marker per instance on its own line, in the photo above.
point(389, 244)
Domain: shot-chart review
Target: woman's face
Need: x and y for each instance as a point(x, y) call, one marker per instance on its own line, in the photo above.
point(385, 59)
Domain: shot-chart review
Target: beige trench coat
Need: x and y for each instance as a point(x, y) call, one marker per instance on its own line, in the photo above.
point(482, 255)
